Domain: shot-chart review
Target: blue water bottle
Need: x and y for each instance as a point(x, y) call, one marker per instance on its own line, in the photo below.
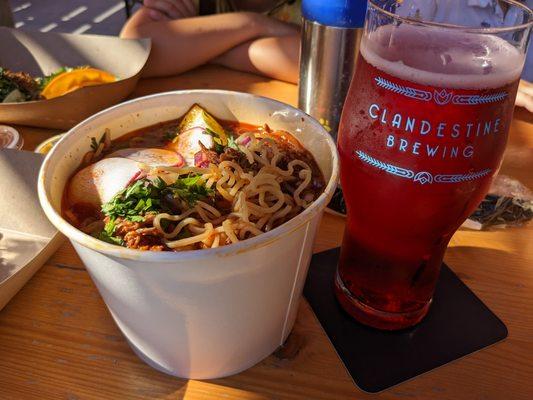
point(330, 42)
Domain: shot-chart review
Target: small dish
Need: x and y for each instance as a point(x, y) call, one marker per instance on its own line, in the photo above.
point(10, 138)
point(46, 146)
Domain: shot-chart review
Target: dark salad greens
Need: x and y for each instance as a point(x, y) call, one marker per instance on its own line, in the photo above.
point(17, 87)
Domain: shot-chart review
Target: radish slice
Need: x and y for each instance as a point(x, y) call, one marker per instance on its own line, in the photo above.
point(246, 140)
point(99, 182)
point(151, 157)
point(201, 160)
point(188, 143)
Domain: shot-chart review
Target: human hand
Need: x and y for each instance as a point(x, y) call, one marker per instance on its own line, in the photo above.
point(161, 10)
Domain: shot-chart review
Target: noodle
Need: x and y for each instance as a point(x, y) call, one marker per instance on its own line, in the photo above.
point(191, 240)
point(228, 230)
point(306, 175)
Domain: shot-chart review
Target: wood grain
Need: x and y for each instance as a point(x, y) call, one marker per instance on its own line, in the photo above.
point(57, 340)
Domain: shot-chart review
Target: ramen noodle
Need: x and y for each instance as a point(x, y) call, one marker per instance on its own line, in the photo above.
point(191, 183)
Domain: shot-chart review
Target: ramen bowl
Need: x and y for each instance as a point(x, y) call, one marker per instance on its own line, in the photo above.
point(208, 313)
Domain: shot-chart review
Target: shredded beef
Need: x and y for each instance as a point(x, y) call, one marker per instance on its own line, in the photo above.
point(144, 239)
point(291, 152)
point(239, 158)
point(204, 157)
point(139, 235)
point(232, 155)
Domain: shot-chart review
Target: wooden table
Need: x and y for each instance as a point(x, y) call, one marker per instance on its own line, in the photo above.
point(57, 340)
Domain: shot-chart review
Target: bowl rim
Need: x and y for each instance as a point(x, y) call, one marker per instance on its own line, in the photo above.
point(262, 240)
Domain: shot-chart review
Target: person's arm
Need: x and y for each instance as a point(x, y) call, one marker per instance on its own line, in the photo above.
point(162, 10)
point(182, 44)
point(273, 57)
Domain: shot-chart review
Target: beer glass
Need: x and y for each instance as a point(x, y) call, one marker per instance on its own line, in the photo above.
point(422, 134)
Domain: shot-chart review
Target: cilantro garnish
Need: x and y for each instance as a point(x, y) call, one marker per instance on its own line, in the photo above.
point(145, 196)
point(106, 237)
point(232, 144)
point(219, 148)
point(134, 201)
point(95, 144)
point(190, 189)
point(216, 137)
point(107, 234)
point(109, 228)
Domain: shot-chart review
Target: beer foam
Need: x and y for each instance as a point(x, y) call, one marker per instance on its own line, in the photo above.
point(445, 58)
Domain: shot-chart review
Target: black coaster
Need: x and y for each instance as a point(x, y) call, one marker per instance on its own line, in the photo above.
point(457, 324)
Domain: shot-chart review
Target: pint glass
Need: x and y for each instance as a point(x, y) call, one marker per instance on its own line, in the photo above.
point(422, 134)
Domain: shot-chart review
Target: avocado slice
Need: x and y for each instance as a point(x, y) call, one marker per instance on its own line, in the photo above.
point(197, 117)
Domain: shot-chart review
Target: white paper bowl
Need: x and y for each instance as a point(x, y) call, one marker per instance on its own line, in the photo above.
point(206, 313)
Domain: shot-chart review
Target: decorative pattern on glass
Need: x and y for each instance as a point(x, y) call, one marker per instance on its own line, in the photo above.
point(422, 177)
point(441, 97)
point(403, 90)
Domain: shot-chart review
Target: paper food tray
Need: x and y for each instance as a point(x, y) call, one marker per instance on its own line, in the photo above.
point(27, 239)
point(40, 54)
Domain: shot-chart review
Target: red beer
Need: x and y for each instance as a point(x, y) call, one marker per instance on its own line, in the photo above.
point(422, 133)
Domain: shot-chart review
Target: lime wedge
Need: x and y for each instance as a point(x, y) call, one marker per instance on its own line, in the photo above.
point(197, 117)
